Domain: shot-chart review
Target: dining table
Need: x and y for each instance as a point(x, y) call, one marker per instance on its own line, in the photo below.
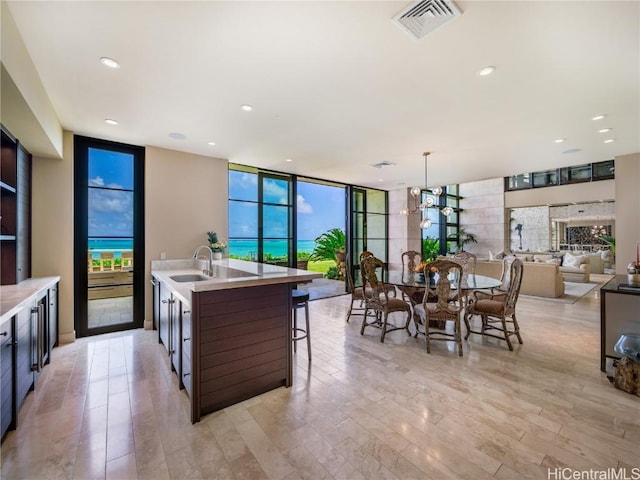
point(413, 285)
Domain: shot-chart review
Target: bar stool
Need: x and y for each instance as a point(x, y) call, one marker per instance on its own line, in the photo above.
point(300, 298)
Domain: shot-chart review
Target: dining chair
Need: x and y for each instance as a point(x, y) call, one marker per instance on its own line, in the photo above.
point(367, 254)
point(379, 301)
point(357, 293)
point(433, 316)
point(468, 263)
point(410, 262)
point(498, 308)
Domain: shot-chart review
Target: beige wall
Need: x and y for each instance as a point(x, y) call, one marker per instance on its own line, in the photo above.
point(52, 229)
point(404, 231)
point(185, 197)
point(483, 215)
point(627, 209)
point(562, 194)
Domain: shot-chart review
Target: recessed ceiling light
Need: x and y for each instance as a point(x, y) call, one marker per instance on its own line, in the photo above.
point(380, 180)
point(109, 62)
point(559, 140)
point(609, 140)
point(177, 136)
point(211, 143)
point(604, 130)
point(598, 117)
point(487, 71)
point(246, 108)
point(288, 160)
point(110, 121)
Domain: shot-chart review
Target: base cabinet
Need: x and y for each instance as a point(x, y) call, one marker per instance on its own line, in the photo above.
point(226, 345)
point(26, 341)
point(7, 403)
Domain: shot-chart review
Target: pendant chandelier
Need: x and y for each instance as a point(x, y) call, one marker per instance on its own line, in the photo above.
point(418, 206)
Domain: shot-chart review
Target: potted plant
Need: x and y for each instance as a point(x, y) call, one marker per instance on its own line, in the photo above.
point(217, 246)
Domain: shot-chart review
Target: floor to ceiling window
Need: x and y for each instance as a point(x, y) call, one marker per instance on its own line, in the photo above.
point(260, 215)
point(109, 236)
point(368, 225)
point(444, 229)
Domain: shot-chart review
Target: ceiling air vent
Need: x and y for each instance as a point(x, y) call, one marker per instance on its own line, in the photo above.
point(423, 17)
point(383, 165)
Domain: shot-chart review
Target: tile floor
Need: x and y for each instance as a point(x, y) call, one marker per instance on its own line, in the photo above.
point(110, 311)
point(108, 407)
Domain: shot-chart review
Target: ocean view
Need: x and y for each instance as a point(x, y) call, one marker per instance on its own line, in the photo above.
point(277, 248)
point(237, 248)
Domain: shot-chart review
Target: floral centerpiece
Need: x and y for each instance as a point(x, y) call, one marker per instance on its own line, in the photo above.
point(216, 245)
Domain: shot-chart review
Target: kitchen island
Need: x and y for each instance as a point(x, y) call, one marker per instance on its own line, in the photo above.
point(229, 334)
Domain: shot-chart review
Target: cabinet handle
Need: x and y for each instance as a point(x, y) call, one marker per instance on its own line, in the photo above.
point(4, 334)
point(185, 339)
point(186, 312)
point(165, 301)
point(186, 374)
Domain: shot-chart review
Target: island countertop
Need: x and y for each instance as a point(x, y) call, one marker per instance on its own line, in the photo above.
point(227, 273)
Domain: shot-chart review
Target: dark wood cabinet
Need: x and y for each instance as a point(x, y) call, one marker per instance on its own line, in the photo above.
point(24, 344)
point(53, 319)
point(15, 211)
point(226, 345)
point(169, 328)
point(7, 404)
point(156, 303)
point(164, 295)
point(186, 346)
point(26, 341)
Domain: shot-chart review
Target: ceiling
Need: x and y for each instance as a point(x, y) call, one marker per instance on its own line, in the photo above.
point(338, 86)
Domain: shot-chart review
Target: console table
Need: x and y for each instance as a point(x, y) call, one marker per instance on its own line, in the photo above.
point(619, 313)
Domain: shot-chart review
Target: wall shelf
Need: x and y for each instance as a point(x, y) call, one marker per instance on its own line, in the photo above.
point(5, 187)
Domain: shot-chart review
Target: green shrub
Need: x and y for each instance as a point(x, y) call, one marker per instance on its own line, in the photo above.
point(333, 273)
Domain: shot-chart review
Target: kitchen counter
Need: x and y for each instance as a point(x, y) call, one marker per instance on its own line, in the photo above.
point(227, 273)
point(228, 336)
point(13, 298)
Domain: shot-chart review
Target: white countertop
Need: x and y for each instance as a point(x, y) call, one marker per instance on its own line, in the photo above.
point(14, 298)
point(228, 273)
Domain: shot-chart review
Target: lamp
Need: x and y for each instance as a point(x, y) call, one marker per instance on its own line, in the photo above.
point(416, 193)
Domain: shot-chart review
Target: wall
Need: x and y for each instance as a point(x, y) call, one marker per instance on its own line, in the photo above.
point(26, 108)
point(627, 184)
point(483, 215)
point(52, 229)
point(185, 197)
point(404, 231)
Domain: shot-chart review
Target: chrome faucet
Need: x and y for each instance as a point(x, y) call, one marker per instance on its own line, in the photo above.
point(209, 271)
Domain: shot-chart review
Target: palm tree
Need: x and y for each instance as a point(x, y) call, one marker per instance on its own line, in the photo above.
point(328, 244)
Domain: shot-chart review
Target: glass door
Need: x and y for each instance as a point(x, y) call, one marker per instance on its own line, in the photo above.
point(368, 226)
point(109, 236)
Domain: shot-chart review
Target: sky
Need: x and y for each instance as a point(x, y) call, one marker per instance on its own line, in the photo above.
point(110, 208)
point(320, 207)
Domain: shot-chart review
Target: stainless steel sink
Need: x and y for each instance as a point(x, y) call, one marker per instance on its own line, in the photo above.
point(190, 277)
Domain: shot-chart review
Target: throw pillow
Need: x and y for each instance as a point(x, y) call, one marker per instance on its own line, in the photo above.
point(572, 260)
